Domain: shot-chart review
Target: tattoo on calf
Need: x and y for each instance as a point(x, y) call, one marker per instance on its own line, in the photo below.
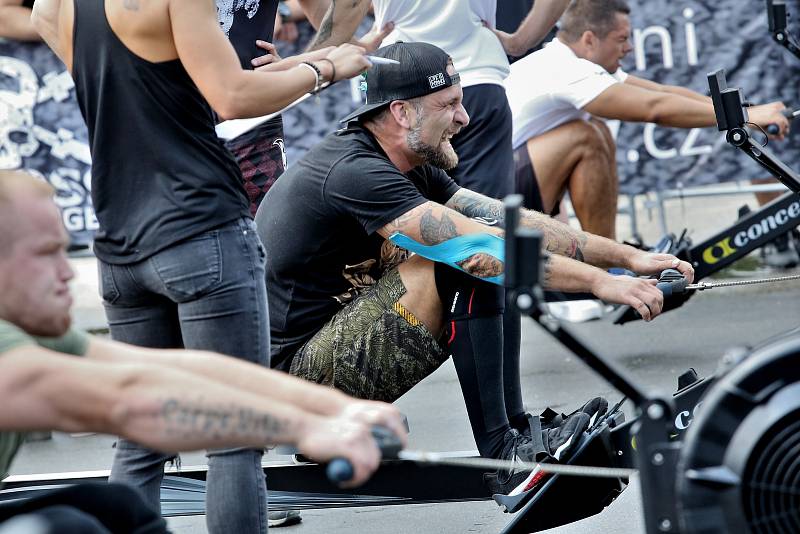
point(434, 231)
point(197, 419)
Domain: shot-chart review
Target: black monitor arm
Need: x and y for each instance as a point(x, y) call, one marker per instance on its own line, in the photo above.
point(776, 15)
point(732, 117)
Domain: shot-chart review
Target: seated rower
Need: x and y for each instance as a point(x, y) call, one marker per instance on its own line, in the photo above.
point(559, 96)
point(352, 309)
point(170, 400)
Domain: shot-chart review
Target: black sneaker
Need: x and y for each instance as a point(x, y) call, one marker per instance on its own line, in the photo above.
point(517, 448)
point(596, 409)
point(780, 252)
point(561, 440)
point(285, 518)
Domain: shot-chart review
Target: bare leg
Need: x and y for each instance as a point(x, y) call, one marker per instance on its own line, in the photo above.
point(766, 197)
point(421, 297)
point(578, 155)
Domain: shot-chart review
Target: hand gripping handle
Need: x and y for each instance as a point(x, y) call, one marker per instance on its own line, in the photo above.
point(671, 282)
point(340, 470)
point(772, 129)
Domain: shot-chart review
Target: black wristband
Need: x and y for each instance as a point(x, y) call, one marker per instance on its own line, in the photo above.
point(333, 70)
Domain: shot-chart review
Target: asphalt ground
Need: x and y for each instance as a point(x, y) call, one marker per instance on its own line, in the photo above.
point(695, 335)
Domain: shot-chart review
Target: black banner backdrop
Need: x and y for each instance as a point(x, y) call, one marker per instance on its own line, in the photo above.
point(675, 42)
point(42, 131)
point(678, 43)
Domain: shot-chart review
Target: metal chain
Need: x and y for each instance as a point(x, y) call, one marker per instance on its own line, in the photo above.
point(490, 463)
point(711, 285)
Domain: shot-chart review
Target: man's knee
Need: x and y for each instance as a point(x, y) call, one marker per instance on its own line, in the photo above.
point(590, 139)
point(464, 296)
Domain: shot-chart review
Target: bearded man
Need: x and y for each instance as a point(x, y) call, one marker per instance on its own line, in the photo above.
point(350, 308)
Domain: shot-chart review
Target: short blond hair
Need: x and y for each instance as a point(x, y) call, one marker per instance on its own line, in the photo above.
point(12, 184)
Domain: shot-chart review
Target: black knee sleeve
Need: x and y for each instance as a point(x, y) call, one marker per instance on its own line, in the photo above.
point(466, 297)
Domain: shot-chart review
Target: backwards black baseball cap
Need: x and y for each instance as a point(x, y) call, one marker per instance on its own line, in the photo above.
point(422, 71)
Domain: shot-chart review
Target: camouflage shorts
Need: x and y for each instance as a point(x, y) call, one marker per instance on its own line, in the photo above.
point(373, 348)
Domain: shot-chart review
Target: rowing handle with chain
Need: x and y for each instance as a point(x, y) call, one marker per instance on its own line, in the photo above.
point(671, 282)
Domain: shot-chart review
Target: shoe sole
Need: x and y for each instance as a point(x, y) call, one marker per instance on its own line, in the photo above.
point(287, 521)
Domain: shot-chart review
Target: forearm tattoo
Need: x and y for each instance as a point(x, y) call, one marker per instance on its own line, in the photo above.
point(131, 5)
point(434, 231)
point(558, 237)
point(435, 226)
point(471, 204)
point(325, 29)
point(326, 26)
point(192, 420)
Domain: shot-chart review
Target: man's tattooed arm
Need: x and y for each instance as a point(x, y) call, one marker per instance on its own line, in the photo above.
point(198, 420)
point(559, 238)
point(432, 224)
point(471, 204)
point(339, 23)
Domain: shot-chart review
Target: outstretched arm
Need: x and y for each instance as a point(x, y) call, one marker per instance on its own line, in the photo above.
point(254, 379)
point(562, 239)
point(674, 89)
point(641, 101)
point(165, 408)
point(432, 224)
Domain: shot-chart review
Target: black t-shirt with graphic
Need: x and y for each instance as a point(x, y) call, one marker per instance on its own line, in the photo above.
point(245, 21)
point(321, 217)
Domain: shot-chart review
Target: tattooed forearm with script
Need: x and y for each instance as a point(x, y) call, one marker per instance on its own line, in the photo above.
point(198, 420)
point(559, 238)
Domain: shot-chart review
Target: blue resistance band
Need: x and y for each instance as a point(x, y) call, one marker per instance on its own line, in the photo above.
point(456, 250)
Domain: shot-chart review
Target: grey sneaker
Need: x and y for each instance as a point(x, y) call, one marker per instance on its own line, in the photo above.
point(283, 519)
point(779, 253)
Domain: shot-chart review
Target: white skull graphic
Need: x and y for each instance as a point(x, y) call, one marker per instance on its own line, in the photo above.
point(227, 8)
point(16, 114)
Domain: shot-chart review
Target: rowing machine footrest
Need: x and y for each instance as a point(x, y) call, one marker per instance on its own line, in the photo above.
point(560, 500)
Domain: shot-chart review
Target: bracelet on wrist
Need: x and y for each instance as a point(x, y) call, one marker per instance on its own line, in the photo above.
point(317, 76)
point(333, 70)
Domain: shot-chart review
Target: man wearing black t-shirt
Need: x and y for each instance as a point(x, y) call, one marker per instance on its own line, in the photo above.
point(350, 309)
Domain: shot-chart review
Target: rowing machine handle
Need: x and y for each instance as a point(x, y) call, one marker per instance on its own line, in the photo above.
point(341, 470)
point(671, 282)
point(772, 129)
